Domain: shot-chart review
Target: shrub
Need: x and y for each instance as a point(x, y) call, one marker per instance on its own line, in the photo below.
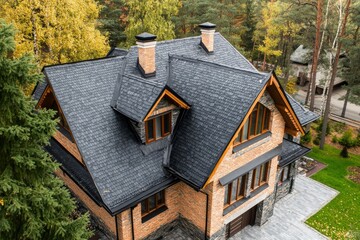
point(347, 139)
point(317, 139)
point(306, 138)
point(291, 85)
point(338, 127)
point(344, 152)
point(334, 139)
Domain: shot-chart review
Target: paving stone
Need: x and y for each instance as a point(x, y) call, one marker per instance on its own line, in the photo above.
point(290, 213)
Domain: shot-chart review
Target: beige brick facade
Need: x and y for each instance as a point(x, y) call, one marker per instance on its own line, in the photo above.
point(233, 161)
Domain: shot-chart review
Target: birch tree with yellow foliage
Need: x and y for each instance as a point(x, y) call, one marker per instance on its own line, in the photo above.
point(55, 31)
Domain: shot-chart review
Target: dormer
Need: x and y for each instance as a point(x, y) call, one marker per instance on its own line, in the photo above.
point(161, 119)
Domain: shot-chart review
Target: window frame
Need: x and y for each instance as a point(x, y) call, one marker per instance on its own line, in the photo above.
point(260, 182)
point(265, 126)
point(243, 187)
point(163, 133)
point(157, 206)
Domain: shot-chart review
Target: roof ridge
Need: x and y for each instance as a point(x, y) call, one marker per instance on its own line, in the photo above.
point(142, 80)
point(81, 61)
point(238, 52)
point(186, 58)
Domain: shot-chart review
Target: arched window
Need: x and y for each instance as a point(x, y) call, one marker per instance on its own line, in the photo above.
point(257, 123)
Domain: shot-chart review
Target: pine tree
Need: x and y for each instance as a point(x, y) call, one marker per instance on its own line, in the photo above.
point(112, 18)
point(34, 202)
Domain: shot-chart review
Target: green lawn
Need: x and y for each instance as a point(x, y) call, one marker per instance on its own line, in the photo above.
point(342, 215)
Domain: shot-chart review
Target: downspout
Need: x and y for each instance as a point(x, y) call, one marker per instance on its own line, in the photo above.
point(206, 214)
point(132, 223)
point(117, 228)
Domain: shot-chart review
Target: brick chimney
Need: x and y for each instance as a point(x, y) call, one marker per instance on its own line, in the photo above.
point(146, 54)
point(207, 36)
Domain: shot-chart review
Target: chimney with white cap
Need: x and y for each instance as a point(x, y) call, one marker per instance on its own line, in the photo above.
point(146, 54)
point(207, 36)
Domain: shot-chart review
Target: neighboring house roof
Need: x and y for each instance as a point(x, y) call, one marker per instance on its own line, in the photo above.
point(301, 55)
point(290, 152)
point(219, 87)
point(304, 115)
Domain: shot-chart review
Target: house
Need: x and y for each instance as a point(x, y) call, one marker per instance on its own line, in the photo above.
point(180, 133)
point(301, 67)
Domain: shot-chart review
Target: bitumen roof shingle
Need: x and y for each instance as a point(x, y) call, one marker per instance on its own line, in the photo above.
point(220, 88)
point(109, 148)
point(224, 54)
point(304, 115)
point(219, 97)
point(291, 151)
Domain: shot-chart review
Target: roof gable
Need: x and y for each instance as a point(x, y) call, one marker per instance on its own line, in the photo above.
point(220, 97)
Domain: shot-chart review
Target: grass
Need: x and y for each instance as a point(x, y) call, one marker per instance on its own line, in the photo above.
point(340, 219)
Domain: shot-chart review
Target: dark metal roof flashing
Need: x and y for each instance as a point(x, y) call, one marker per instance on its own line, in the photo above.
point(207, 26)
point(145, 37)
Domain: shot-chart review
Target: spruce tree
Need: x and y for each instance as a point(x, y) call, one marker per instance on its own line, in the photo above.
point(34, 204)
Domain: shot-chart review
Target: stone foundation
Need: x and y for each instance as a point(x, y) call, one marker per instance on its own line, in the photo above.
point(265, 210)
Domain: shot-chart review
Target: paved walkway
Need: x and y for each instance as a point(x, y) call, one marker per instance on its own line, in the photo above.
point(308, 197)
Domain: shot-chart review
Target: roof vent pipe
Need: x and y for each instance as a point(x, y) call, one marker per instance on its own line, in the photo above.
point(146, 54)
point(207, 36)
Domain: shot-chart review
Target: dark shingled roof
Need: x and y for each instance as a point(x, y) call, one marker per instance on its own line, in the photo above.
point(291, 151)
point(117, 52)
point(109, 148)
point(224, 53)
point(39, 89)
point(304, 115)
point(217, 109)
point(220, 88)
point(74, 169)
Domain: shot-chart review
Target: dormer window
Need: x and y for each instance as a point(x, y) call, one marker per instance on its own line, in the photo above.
point(257, 124)
point(158, 127)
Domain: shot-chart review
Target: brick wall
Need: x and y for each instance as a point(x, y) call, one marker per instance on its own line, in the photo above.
point(180, 199)
point(68, 145)
point(100, 213)
point(233, 161)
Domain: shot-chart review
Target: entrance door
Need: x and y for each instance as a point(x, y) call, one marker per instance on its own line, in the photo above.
point(235, 226)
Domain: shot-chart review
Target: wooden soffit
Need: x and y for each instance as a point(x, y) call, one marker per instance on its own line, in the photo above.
point(167, 93)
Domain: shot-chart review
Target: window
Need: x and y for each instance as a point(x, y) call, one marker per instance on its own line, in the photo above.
point(260, 175)
point(153, 203)
point(284, 174)
point(158, 127)
point(256, 124)
point(235, 190)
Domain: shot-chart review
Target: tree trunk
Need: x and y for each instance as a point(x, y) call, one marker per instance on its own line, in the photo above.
point(264, 62)
point(333, 74)
point(287, 61)
point(316, 53)
point(345, 102)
